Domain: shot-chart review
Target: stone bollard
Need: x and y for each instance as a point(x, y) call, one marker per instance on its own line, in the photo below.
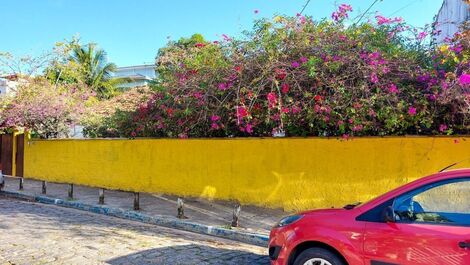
point(70, 192)
point(236, 215)
point(180, 205)
point(21, 184)
point(136, 201)
point(101, 198)
point(44, 187)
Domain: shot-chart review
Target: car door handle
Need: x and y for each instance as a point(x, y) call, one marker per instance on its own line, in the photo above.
point(464, 245)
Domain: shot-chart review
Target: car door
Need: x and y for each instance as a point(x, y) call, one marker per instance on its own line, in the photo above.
point(431, 225)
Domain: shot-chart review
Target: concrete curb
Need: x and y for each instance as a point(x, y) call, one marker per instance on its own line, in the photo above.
point(166, 221)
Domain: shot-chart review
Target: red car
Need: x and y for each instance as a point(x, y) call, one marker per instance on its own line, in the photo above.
point(424, 222)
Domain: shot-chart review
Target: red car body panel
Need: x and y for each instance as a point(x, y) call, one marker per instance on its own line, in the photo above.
point(361, 242)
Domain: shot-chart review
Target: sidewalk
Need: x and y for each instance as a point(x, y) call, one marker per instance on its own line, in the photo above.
point(201, 214)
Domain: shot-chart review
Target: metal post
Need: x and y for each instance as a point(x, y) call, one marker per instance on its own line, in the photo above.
point(44, 187)
point(236, 215)
point(21, 184)
point(2, 180)
point(136, 201)
point(180, 205)
point(70, 191)
point(101, 198)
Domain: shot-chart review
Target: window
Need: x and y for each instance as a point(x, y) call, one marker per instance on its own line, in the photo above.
point(446, 202)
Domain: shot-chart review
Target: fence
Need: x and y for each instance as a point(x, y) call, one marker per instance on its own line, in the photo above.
point(291, 173)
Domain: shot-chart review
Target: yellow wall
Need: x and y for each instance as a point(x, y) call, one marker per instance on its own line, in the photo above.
point(294, 174)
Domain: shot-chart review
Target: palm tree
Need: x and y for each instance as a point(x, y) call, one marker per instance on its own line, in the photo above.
point(96, 69)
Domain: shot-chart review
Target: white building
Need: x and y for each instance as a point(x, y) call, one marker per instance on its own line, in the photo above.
point(139, 75)
point(451, 16)
point(8, 85)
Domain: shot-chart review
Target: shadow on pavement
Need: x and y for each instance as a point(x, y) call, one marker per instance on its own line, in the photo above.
point(191, 254)
point(73, 220)
point(214, 213)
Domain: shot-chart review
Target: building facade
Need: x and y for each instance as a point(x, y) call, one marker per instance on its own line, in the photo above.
point(138, 75)
point(451, 15)
point(8, 84)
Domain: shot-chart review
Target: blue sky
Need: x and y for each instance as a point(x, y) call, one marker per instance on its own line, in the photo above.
point(131, 31)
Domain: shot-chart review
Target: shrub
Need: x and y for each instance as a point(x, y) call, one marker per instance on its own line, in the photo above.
point(103, 118)
point(45, 110)
point(308, 78)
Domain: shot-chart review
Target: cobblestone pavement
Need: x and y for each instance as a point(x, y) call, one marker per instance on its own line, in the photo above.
point(33, 233)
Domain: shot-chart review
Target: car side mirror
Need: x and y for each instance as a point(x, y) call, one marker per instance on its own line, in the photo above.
point(389, 215)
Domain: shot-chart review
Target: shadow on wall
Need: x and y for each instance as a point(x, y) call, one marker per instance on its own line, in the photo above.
point(191, 254)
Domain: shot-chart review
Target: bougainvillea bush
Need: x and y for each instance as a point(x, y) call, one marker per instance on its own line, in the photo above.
point(287, 76)
point(103, 118)
point(302, 77)
point(46, 110)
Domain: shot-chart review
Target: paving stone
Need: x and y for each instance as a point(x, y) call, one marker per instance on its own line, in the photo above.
point(33, 234)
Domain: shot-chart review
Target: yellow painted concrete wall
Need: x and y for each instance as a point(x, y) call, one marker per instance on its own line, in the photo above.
point(294, 173)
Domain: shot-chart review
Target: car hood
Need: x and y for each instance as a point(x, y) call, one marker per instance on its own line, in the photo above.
point(324, 211)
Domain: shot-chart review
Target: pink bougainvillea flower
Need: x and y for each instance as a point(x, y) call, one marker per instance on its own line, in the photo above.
point(242, 112)
point(222, 86)
point(133, 134)
point(249, 128)
point(295, 109)
point(318, 98)
point(272, 100)
point(280, 74)
point(345, 8)
point(199, 45)
point(214, 126)
point(216, 42)
point(303, 59)
point(444, 85)
point(393, 89)
point(215, 118)
point(442, 128)
point(381, 20)
point(341, 13)
point(285, 88)
point(457, 48)
point(317, 108)
point(226, 38)
point(373, 78)
point(357, 128)
point(295, 64)
point(464, 79)
point(422, 35)
point(169, 112)
point(285, 110)
point(412, 111)
point(432, 97)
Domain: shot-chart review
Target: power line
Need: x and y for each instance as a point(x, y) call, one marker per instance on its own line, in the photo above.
point(367, 10)
point(305, 6)
point(408, 5)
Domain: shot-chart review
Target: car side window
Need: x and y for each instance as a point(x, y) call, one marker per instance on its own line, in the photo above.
point(446, 202)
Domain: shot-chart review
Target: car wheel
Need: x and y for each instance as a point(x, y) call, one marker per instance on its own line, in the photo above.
point(317, 256)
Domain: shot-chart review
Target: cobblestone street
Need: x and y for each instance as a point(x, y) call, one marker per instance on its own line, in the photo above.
point(33, 233)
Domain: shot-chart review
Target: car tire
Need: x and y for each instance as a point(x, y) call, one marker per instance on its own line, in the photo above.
point(319, 253)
